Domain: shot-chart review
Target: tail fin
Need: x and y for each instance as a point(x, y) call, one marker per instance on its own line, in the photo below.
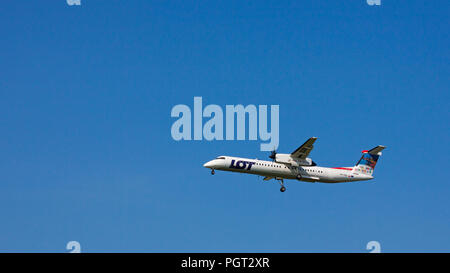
point(368, 160)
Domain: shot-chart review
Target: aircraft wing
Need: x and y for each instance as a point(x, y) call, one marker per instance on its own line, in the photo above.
point(303, 151)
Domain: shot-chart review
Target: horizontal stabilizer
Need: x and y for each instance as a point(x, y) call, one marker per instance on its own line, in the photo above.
point(376, 150)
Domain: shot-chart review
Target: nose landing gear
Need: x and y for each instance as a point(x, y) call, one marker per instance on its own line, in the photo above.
point(283, 188)
point(212, 172)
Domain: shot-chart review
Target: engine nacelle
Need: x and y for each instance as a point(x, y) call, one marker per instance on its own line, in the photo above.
point(283, 158)
point(304, 162)
point(287, 159)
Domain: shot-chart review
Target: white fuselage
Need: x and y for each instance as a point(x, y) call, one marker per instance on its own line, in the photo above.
point(276, 170)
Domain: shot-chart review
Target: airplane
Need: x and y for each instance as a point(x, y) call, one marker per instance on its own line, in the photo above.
point(297, 165)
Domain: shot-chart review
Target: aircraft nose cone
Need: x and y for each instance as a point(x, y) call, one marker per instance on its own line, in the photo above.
point(208, 164)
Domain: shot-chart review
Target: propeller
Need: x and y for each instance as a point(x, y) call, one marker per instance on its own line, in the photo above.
point(273, 155)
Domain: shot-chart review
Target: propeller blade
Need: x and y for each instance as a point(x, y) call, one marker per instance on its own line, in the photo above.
point(273, 155)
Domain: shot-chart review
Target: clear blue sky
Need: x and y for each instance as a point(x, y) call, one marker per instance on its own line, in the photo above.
point(85, 99)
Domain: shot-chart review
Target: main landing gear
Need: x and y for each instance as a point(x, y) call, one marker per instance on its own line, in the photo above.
point(212, 172)
point(283, 188)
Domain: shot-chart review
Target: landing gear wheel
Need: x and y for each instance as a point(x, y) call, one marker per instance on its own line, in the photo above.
point(282, 189)
point(212, 172)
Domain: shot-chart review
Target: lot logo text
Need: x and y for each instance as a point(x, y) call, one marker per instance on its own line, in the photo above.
point(213, 128)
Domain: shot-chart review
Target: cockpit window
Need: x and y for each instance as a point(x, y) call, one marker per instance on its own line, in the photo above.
point(220, 157)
